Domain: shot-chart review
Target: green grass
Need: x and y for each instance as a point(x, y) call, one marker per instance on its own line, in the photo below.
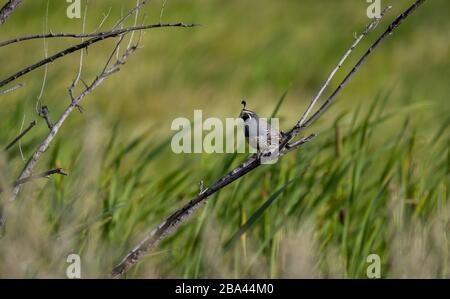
point(375, 180)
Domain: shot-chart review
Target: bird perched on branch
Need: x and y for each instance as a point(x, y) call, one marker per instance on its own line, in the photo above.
point(259, 134)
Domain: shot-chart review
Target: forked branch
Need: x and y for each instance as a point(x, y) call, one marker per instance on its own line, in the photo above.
point(107, 71)
point(44, 174)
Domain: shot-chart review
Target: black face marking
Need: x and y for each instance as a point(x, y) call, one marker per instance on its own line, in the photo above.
point(244, 103)
point(245, 116)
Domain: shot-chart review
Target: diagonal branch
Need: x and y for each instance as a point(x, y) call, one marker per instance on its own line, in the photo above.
point(295, 145)
point(171, 223)
point(8, 9)
point(366, 31)
point(14, 141)
point(132, 12)
point(40, 175)
point(11, 89)
point(44, 174)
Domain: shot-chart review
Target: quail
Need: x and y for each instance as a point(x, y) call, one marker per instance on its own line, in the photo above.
point(259, 134)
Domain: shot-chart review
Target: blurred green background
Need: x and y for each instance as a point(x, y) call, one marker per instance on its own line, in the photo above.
point(374, 181)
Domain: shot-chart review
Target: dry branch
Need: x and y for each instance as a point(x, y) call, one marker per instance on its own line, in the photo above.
point(8, 9)
point(369, 28)
point(171, 223)
point(44, 174)
point(40, 175)
point(11, 89)
point(14, 141)
point(129, 14)
point(104, 34)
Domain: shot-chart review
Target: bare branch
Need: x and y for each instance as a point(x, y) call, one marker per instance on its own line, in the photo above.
point(8, 9)
point(105, 17)
point(80, 65)
point(136, 16)
point(162, 11)
point(14, 141)
point(98, 37)
point(132, 12)
point(295, 145)
point(11, 89)
point(104, 34)
point(171, 223)
point(40, 175)
point(44, 174)
point(39, 108)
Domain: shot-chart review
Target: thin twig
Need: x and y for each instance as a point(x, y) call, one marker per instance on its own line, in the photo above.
point(8, 9)
point(39, 107)
point(121, 27)
point(295, 145)
point(136, 16)
point(171, 223)
point(20, 142)
point(24, 132)
point(11, 89)
point(387, 33)
point(40, 175)
point(99, 37)
point(162, 11)
point(105, 17)
point(44, 174)
point(115, 50)
point(135, 10)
